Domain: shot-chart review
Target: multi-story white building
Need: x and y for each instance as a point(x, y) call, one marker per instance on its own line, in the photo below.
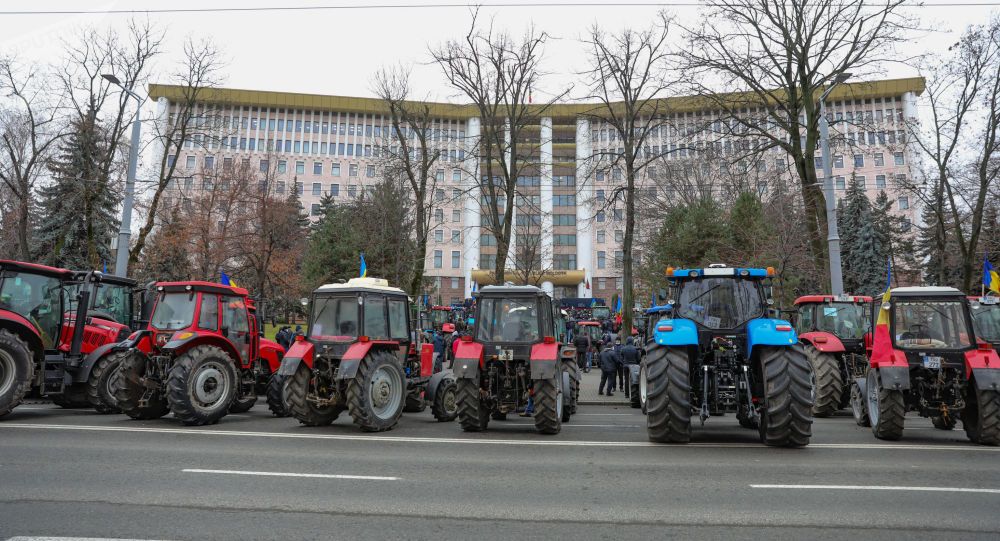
point(329, 145)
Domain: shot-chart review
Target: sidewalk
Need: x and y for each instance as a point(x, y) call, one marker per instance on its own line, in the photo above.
point(588, 390)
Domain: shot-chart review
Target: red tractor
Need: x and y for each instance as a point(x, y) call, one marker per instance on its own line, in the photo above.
point(199, 357)
point(831, 330)
point(516, 358)
point(42, 347)
point(925, 357)
point(361, 355)
point(439, 316)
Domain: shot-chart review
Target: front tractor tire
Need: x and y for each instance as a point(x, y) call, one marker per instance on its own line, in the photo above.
point(472, 412)
point(103, 380)
point(445, 406)
point(667, 391)
point(130, 389)
point(375, 397)
point(981, 416)
point(787, 402)
point(828, 380)
point(549, 406)
point(202, 385)
point(886, 409)
point(859, 406)
point(300, 404)
point(277, 395)
point(16, 369)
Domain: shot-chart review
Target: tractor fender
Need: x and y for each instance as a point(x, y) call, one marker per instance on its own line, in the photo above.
point(981, 359)
point(271, 352)
point(895, 378)
point(633, 374)
point(986, 378)
point(357, 351)
point(183, 341)
point(823, 341)
point(435, 382)
point(543, 360)
point(83, 373)
point(468, 360)
point(683, 332)
point(25, 329)
point(765, 332)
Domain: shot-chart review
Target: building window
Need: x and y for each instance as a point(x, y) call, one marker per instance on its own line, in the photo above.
point(904, 203)
point(456, 236)
point(564, 261)
point(281, 186)
point(859, 160)
point(190, 163)
point(564, 200)
point(564, 240)
point(170, 160)
point(454, 283)
point(838, 161)
point(861, 180)
point(602, 260)
point(298, 147)
point(315, 209)
point(487, 261)
point(317, 168)
point(456, 175)
point(619, 235)
point(841, 183)
point(299, 187)
point(335, 190)
point(439, 194)
point(819, 162)
point(370, 171)
point(438, 236)
point(456, 215)
point(898, 158)
point(602, 283)
point(456, 262)
point(600, 236)
point(600, 216)
point(282, 166)
point(437, 258)
point(618, 214)
point(352, 170)
point(879, 159)
point(619, 259)
point(300, 168)
point(317, 189)
point(264, 164)
point(439, 175)
point(487, 239)
point(335, 169)
point(564, 219)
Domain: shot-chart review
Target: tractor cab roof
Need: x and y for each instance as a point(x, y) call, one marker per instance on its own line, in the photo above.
point(718, 270)
point(926, 291)
point(32, 268)
point(445, 308)
point(812, 299)
point(106, 278)
point(659, 309)
point(589, 323)
point(499, 291)
point(356, 285)
point(201, 287)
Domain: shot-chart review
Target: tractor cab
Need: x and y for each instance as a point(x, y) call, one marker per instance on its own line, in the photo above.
point(932, 324)
point(35, 298)
point(600, 313)
point(361, 310)
point(591, 329)
point(113, 298)
point(841, 317)
point(986, 319)
point(439, 315)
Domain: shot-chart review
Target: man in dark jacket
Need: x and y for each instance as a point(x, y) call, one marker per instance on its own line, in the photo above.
point(582, 343)
point(609, 363)
point(629, 355)
point(438, 351)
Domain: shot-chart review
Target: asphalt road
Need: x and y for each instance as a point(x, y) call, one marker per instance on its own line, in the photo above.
point(66, 473)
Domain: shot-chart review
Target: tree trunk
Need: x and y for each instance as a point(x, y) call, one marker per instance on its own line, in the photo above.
point(627, 251)
point(813, 201)
point(22, 228)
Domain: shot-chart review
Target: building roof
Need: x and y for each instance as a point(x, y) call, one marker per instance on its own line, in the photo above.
point(375, 106)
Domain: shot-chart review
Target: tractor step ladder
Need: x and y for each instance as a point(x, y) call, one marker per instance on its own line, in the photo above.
point(53, 374)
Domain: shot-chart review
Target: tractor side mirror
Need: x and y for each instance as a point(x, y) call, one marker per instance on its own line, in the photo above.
point(662, 295)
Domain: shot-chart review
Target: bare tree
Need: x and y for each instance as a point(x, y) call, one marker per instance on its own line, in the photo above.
point(775, 58)
point(31, 126)
point(628, 77)
point(192, 119)
point(408, 155)
point(496, 73)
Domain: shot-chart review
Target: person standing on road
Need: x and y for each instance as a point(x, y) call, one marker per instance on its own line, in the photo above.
point(630, 355)
point(582, 343)
point(609, 364)
point(438, 351)
point(620, 368)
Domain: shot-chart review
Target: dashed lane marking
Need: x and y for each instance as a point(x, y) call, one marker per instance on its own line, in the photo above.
point(288, 474)
point(878, 487)
point(540, 442)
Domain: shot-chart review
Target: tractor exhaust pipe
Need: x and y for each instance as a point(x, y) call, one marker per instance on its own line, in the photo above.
point(80, 319)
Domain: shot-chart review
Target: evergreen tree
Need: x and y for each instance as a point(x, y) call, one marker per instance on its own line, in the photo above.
point(78, 211)
point(863, 247)
point(750, 232)
point(937, 249)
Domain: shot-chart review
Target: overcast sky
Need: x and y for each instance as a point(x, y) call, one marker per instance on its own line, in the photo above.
point(335, 51)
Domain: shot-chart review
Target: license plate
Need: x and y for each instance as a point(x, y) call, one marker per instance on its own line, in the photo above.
point(932, 362)
point(843, 298)
point(506, 355)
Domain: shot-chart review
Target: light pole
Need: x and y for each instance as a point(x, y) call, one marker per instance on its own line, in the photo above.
point(121, 260)
point(832, 235)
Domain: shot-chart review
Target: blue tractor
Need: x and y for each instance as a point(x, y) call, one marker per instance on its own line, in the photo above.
point(719, 353)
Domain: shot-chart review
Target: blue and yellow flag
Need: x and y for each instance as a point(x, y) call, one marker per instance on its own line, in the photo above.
point(226, 280)
point(991, 280)
point(364, 266)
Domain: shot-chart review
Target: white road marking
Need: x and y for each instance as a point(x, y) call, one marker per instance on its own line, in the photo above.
point(877, 487)
point(285, 474)
point(539, 442)
point(32, 538)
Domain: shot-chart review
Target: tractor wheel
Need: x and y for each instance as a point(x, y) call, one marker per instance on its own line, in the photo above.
point(296, 397)
point(130, 389)
point(786, 408)
point(549, 405)
point(633, 394)
point(567, 397)
point(445, 406)
point(642, 387)
point(472, 413)
point(858, 406)
point(16, 368)
point(573, 389)
point(664, 382)
point(941, 422)
point(202, 385)
point(414, 403)
point(73, 397)
point(828, 380)
point(101, 384)
point(243, 404)
point(277, 397)
point(981, 416)
point(376, 395)
point(886, 409)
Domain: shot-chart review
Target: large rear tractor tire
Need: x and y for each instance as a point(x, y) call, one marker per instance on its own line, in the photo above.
point(786, 408)
point(130, 389)
point(202, 385)
point(573, 390)
point(567, 397)
point(549, 405)
point(104, 377)
point(828, 380)
point(667, 391)
point(16, 369)
point(859, 407)
point(445, 406)
point(296, 397)
point(73, 397)
point(886, 409)
point(981, 416)
point(472, 413)
point(375, 397)
point(277, 396)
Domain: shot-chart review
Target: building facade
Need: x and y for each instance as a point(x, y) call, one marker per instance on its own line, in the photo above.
point(333, 146)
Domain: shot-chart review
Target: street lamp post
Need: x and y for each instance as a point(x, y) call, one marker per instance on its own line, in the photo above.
point(832, 235)
point(125, 232)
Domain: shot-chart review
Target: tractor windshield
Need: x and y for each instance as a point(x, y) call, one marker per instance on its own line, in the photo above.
point(114, 301)
point(843, 319)
point(440, 317)
point(334, 319)
point(173, 311)
point(600, 312)
point(719, 303)
point(508, 320)
point(921, 324)
point(986, 321)
point(38, 299)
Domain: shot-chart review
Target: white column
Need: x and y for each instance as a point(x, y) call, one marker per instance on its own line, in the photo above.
point(160, 127)
point(584, 199)
point(471, 218)
point(546, 195)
